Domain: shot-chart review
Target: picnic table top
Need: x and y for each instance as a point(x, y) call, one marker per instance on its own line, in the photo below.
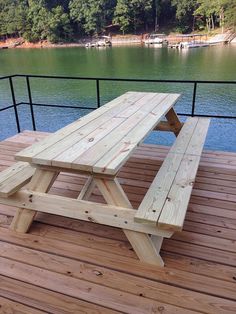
point(102, 141)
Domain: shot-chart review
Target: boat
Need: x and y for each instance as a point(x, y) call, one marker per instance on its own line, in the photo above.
point(102, 41)
point(192, 44)
point(189, 41)
point(155, 39)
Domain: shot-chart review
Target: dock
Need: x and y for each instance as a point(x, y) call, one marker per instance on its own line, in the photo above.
point(68, 266)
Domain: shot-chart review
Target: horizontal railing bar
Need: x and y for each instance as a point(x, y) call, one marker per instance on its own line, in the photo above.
point(8, 107)
point(6, 77)
point(57, 106)
point(206, 116)
point(123, 79)
point(93, 108)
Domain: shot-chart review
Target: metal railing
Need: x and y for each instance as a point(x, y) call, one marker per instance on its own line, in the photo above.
point(97, 80)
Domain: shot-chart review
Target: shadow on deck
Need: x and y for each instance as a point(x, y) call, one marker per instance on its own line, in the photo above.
point(69, 266)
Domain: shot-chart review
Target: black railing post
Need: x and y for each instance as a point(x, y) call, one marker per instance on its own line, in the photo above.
point(194, 99)
point(30, 103)
point(98, 93)
point(14, 104)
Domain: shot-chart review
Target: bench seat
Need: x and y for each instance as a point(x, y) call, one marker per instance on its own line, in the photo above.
point(166, 201)
point(14, 178)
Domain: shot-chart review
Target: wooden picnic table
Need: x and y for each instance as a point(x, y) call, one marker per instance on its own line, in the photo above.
point(96, 145)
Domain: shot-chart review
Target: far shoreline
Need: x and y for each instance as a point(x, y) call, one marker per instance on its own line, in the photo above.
point(117, 40)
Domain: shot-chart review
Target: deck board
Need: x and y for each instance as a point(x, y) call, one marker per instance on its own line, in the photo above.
point(69, 266)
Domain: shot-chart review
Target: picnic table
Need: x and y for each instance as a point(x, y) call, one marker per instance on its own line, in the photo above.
point(97, 145)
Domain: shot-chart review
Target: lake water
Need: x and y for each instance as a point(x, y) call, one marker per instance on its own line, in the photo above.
point(213, 63)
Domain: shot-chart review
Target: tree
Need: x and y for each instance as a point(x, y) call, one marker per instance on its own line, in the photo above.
point(133, 15)
point(219, 12)
point(140, 12)
point(122, 15)
point(13, 17)
point(89, 14)
point(45, 24)
point(59, 25)
point(185, 13)
point(207, 9)
point(230, 13)
point(37, 21)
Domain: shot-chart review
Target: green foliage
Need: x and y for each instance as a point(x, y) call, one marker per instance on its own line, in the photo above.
point(90, 15)
point(122, 15)
point(230, 13)
point(184, 14)
point(222, 12)
point(58, 20)
point(12, 17)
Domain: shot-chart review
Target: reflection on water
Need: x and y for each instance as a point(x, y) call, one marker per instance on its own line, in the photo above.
point(208, 63)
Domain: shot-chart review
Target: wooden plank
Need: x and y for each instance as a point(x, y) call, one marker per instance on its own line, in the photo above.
point(104, 296)
point(82, 145)
point(175, 177)
point(170, 276)
point(211, 225)
point(41, 181)
point(216, 195)
point(91, 125)
point(154, 200)
point(174, 121)
point(200, 267)
point(200, 252)
point(11, 171)
point(46, 300)
point(191, 264)
point(165, 126)
point(118, 280)
point(141, 242)
point(196, 144)
point(181, 143)
point(14, 177)
point(113, 124)
point(174, 211)
point(118, 246)
point(8, 306)
point(84, 210)
point(111, 162)
point(92, 155)
point(87, 189)
point(228, 245)
point(28, 153)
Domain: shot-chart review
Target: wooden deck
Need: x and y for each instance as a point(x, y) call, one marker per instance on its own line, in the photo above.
point(68, 266)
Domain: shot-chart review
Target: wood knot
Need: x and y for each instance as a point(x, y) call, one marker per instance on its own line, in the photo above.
point(98, 273)
point(160, 309)
point(91, 219)
point(91, 139)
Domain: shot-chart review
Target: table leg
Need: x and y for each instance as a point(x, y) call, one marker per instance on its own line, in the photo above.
point(142, 243)
point(41, 181)
point(174, 121)
point(87, 189)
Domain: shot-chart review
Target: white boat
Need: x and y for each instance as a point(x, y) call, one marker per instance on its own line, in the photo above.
point(192, 44)
point(190, 41)
point(102, 41)
point(154, 39)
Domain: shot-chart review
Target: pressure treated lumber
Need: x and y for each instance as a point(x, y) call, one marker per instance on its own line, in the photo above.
point(103, 140)
point(166, 201)
point(41, 181)
point(14, 177)
point(31, 202)
point(196, 276)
